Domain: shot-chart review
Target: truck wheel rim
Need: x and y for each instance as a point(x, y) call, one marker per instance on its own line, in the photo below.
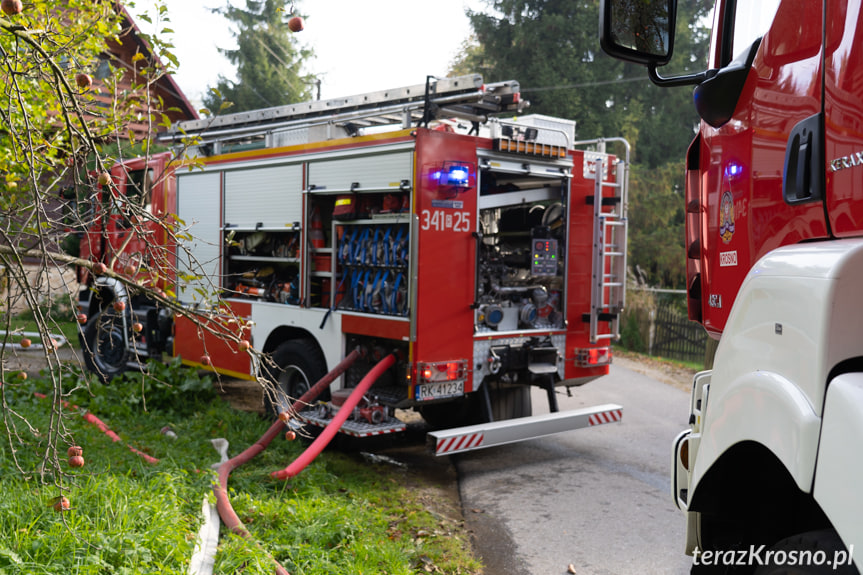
point(110, 346)
point(293, 382)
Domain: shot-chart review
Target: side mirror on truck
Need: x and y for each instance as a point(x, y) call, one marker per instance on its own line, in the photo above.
point(638, 31)
point(642, 31)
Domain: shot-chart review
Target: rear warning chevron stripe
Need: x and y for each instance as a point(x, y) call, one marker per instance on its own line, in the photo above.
point(612, 416)
point(459, 442)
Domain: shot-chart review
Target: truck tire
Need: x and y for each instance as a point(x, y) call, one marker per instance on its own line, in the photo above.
point(104, 345)
point(298, 365)
point(825, 543)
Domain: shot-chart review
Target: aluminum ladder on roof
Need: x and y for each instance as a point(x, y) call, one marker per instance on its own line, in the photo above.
point(464, 97)
point(610, 226)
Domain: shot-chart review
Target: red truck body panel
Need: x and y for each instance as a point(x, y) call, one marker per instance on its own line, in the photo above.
point(447, 251)
point(843, 109)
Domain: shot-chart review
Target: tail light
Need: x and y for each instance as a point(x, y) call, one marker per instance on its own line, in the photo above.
point(439, 372)
point(592, 356)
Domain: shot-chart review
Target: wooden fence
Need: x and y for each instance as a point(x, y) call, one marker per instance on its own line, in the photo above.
point(674, 336)
point(655, 322)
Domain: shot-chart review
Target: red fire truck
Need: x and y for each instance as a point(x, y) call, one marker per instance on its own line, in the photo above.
point(488, 253)
point(771, 461)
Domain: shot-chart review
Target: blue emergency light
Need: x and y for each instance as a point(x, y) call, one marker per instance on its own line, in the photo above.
point(454, 175)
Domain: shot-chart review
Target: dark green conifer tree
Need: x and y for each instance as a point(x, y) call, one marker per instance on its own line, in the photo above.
point(268, 59)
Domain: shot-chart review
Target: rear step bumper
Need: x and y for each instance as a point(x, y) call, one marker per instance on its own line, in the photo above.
point(354, 427)
point(473, 437)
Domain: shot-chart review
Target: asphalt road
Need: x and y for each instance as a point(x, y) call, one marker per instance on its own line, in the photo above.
point(595, 498)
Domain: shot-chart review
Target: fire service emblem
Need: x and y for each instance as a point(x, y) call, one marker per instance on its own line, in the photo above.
point(726, 217)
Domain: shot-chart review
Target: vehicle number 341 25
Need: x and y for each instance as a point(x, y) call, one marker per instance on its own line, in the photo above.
point(442, 220)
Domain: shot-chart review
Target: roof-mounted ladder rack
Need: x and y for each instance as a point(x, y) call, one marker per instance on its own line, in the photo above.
point(464, 97)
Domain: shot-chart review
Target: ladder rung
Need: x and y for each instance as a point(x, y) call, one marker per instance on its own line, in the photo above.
point(606, 201)
point(600, 316)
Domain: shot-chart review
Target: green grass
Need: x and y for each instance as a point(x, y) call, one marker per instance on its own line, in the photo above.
point(697, 366)
point(341, 515)
point(624, 352)
point(56, 323)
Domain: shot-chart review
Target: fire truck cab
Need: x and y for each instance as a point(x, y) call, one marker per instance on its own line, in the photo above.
point(488, 253)
point(774, 204)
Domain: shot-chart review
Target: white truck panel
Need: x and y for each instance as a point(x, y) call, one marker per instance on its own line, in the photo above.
point(846, 312)
point(770, 331)
point(839, 474)
point(765, 408)
point(269, 197)
point(268, 316)
point(797, 315)
point(378, 172)
point(198, 207)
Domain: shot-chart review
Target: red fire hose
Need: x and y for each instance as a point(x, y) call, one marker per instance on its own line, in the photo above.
point(333, 426)
point(223, 503)
point(90, 418)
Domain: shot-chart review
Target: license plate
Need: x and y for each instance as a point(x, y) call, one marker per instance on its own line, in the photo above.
point(439, 390)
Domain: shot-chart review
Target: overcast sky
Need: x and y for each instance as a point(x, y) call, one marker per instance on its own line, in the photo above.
point(359, 46)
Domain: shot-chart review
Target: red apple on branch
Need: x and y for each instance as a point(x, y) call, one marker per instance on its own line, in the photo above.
point(84, 81)
point(295, 24)
point(11, 7)
point(62, 504)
